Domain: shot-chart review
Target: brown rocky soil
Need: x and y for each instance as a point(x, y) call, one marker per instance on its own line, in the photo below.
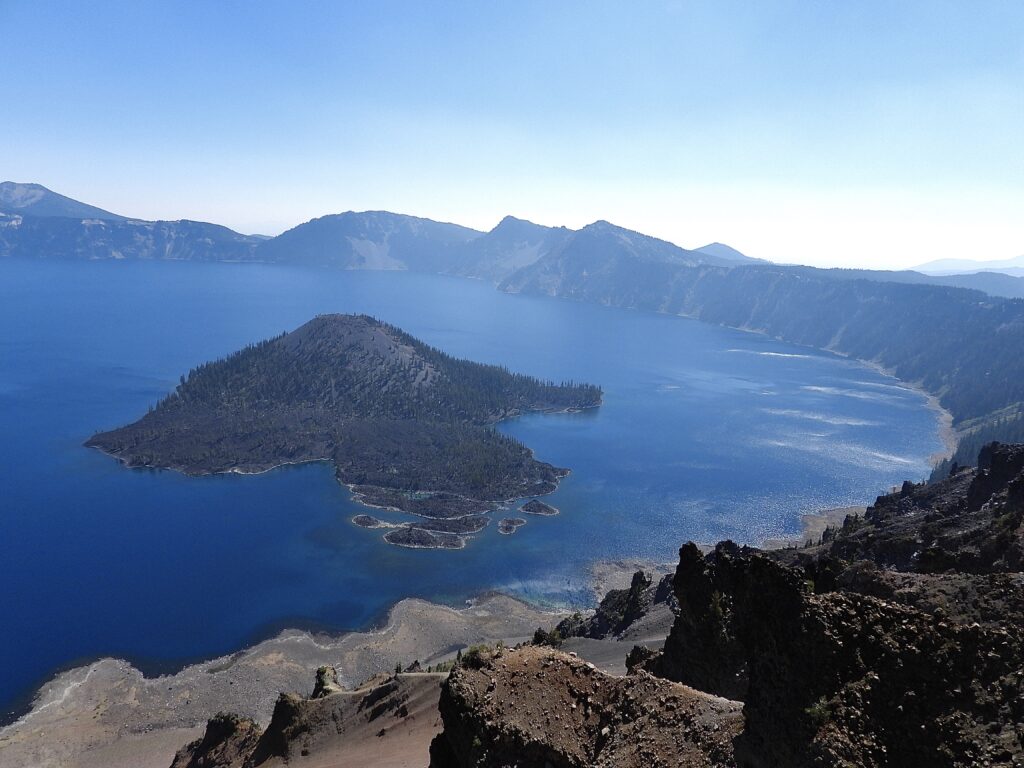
point(540, 707)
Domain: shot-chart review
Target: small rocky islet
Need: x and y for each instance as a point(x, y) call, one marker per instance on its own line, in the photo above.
point(537, 507)
point(509, 525)
point(407, 427)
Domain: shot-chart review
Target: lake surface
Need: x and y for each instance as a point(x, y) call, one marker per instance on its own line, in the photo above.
point(705, 433)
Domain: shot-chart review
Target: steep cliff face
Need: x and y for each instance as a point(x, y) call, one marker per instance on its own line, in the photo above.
point(845, 678)
point(897, 642)
point(621, 608)
point(228, 741)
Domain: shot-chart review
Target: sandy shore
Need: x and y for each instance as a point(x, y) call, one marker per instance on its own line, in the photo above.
point(109, 715)
point(947, 434)
point(812, 525)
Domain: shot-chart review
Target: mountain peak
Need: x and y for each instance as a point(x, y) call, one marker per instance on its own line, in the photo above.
point(510, 225)
point(727, 252)
point(28, 199)
point(509, 220)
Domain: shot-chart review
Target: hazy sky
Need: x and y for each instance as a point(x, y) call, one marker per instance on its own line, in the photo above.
point(825, 132)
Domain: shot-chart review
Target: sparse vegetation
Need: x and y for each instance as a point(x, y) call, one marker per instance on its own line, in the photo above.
point(819, 713)
point(475, 656)
point(553, 638)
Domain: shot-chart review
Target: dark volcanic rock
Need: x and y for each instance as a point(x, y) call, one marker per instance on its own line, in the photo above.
point(388, 718)
point(433, 504)
point(444, 533)
point(326, 683)
point(227, 743)
point(619, 609)
point(896, 642)
point(971, 522)
point(702, 649)
point(844, 678)
point(463, 526)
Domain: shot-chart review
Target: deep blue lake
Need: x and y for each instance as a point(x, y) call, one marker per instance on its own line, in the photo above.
point(705, 433)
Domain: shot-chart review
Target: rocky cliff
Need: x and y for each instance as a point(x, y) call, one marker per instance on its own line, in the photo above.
point(895, 642)
point(621, 609)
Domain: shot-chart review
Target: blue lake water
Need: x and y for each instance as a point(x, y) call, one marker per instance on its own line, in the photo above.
point(705, 433)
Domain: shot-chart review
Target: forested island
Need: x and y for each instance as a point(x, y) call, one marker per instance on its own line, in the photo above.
point(406, 426)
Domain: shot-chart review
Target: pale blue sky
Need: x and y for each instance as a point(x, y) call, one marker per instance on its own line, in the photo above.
point(853, 133)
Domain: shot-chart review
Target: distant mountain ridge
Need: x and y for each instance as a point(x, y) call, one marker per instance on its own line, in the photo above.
point(36, 222)
point(1014, 266)
point(604, 254)
point(723, 251)
point(992, 283)
point(382, 240)
point(370, 240)
point(39, 223)
point(510, 246)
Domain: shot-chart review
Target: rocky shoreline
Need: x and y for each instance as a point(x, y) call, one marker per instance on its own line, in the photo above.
point(447, 520)
point(145, 719)
point(813, 525)
point(109, 715)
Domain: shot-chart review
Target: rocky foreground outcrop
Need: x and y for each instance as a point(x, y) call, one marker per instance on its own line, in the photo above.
point(539, 707)
point(390, 720)
point(896, 642)
point(846, 678)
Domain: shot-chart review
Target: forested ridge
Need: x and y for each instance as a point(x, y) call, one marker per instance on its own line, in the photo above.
point(361, 367)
